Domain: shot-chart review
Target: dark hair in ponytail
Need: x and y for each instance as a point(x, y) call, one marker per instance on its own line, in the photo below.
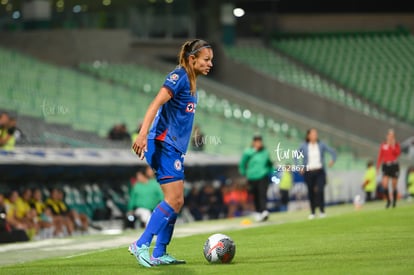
point(189, 48)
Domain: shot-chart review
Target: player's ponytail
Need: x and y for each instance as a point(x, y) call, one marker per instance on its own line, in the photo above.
point(189, 48)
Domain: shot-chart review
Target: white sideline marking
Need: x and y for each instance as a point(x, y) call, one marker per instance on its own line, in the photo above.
point(86, 253)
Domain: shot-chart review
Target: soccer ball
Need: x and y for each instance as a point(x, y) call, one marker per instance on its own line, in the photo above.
point(219, 248)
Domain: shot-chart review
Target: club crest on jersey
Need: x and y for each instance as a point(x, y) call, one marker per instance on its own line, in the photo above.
point(177, 165)
point(173, 78)
point(190, 107)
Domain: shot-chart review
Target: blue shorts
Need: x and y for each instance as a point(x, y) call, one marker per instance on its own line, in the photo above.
point(165, 160)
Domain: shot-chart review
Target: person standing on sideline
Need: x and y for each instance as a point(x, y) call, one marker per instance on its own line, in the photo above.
point(256, 166)
point(388, 157)
point(410, 183)
point(314, 172)
point(370, 181)
point(286, 182)
point(171, 115)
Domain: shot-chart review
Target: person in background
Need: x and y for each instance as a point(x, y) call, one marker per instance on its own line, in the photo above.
point(410, 183)
point(119, 133)
point(48, 226)
point(19, 215)
point(4, 225)
point(60, 211)
point(370, 181)
point(27, 212)
point(4, 120)
point(79, 219)
point(145, 195)
point(286, 183)
point(314, 172)
point(17, 133)
point(69, 217)
point(8, 232)
point(7, 139)
point(211, 201)
point(235, 197)
point(256, 166)
point(388, 156)
point(192, 203)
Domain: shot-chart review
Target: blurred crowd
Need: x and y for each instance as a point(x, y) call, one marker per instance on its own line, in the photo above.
point(27, 214)
point(214, 200)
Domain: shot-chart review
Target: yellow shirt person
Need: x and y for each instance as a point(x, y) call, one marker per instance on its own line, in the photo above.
point(370, 181)
point(410, 182)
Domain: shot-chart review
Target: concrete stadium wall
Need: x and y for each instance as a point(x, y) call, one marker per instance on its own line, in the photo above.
point(70, 47)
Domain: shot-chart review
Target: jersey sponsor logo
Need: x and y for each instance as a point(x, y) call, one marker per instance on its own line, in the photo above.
point(173, 78)
point(177, 165)
point(191, 106)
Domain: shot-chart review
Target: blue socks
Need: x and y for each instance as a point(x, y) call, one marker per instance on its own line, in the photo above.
point(161, 223)
point(164, 237)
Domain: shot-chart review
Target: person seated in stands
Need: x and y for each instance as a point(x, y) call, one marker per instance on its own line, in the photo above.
point(119, 132)
point(60, 211)
point(8, 233)
point(236, 199)
point(26, 211)
point(145, 195)
point(211, 202)
point(7, 139)
point(4, 121)
point(48, 226)
point(192, 203)
point(19, 215)
point(18, 135)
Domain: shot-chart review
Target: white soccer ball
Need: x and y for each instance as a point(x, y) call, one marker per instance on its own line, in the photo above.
point(219, 248)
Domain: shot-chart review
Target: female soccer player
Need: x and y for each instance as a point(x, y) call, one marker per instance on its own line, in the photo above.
point(171, 114)
point(388, 157)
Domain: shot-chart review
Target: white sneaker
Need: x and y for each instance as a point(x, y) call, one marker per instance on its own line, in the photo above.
point(322, 215)
point(311, 216)
point(265, 215)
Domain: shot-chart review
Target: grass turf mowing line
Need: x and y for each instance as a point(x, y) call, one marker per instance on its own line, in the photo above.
point(361, 242)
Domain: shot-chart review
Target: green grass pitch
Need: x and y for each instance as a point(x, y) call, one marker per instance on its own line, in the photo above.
point(369, 241)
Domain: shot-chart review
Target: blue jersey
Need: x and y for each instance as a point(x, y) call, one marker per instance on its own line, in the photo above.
point(174, 120)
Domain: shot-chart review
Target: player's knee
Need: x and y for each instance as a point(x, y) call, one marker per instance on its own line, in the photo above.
point(176, 202)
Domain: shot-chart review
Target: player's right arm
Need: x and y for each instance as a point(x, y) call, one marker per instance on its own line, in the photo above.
point(140, 144)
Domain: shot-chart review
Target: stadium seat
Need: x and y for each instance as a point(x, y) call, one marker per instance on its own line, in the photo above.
point(375, 66)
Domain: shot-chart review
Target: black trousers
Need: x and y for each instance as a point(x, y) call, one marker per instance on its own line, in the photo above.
point(316, 181)
point(258, 189)
point(368, 195)
point(284, 197)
